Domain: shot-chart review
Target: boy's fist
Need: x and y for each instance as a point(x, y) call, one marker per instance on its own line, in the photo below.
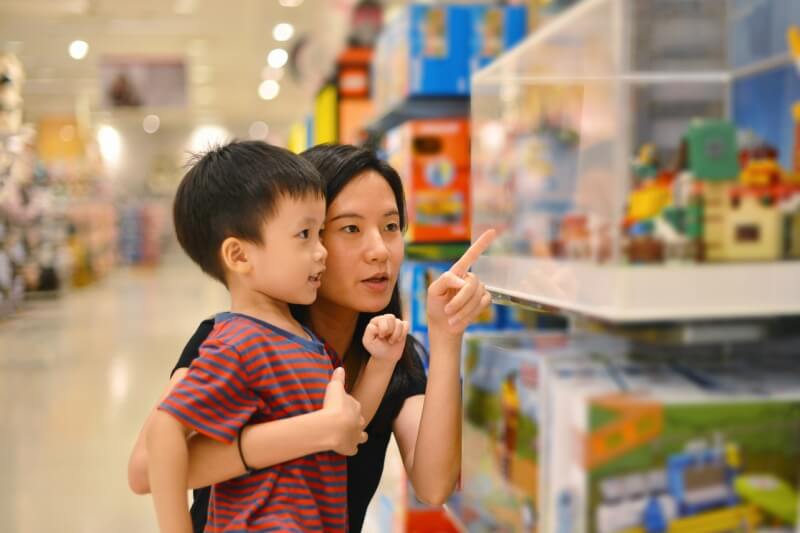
point(385, 338)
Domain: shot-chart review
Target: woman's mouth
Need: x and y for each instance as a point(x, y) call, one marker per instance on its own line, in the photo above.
point(377, 283)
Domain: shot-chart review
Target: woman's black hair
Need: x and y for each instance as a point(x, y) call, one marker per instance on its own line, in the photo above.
point(339, 164)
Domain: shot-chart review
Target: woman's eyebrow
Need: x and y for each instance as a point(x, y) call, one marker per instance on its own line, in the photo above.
point(391, 212)
point(346, 215)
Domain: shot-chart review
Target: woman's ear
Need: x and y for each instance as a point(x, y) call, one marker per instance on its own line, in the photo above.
point(234, 256)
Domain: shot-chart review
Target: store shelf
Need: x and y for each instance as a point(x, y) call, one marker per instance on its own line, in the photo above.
point(419, 108)
point(647, 293)
point(449, 251)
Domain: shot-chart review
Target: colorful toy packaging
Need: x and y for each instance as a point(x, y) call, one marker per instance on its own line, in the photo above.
point(432, 156)
point(644, 446)
point(421, 52)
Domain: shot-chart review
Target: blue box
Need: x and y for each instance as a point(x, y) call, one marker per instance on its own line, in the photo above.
point(494, 31)
point(423, 52)
point(415, 277)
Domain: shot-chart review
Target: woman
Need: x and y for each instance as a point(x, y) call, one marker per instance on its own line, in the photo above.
point(363, 236)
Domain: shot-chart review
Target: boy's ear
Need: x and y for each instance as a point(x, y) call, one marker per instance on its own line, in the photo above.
point(234, 256)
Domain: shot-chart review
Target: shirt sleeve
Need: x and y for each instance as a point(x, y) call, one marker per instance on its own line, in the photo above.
point(418, 381)
point(192, 349)
point(215, 398)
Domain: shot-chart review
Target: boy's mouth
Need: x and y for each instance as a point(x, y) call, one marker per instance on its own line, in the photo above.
point(316, 277)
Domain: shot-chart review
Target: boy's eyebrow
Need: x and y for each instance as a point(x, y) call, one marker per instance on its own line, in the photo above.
point(355, 215)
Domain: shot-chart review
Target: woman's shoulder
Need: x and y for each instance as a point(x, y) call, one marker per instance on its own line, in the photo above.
point(192, 349)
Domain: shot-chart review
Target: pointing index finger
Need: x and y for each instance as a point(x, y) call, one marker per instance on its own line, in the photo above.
point(461, 267)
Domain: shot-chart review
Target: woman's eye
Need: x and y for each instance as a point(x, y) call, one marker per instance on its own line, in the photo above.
point(303, 234)
point(392, 226)
point(350, 229)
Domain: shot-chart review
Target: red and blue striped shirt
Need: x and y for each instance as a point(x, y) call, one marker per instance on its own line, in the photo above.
point(250, 371)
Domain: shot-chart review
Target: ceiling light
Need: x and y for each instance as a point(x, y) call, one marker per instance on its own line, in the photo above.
point(269, 89)
point(110, 142)
point(184, 7)
point(200, 74)
point(290, 3)
point(78, 49)
point(283, 31)
point(204, 138)
point(277, 58)
point(258, 130)
point(151, 123)
point(269, 73)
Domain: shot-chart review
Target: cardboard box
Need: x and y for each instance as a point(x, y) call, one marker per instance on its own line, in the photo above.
point(433, 158)
point(494, 31)
point(423, 52)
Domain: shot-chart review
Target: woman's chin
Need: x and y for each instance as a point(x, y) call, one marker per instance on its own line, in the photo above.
point(374, 304)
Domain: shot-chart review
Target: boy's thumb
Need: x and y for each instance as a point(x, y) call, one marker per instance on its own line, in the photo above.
point(338, 375)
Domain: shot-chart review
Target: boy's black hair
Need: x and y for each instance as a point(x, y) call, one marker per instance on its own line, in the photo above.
point(230, 191)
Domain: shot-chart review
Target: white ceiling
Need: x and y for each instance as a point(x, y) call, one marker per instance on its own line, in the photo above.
point(225, 43)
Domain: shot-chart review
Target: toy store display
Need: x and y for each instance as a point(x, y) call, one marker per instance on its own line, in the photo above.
point(143, 229)
point(645, 176)
point(431, 51)
point(502, 419)
point(354, 85)
point(433, 158)
point(92, 240)
point(34, 258)
point(644, 447)
point(595, 434)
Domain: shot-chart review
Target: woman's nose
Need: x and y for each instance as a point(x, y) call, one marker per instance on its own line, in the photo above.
point(377, 251)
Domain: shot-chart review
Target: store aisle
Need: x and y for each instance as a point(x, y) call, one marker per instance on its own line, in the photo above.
point(77, 376)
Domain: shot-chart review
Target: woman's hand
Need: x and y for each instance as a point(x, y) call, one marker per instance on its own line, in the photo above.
point(457, 297)
point(385, 337)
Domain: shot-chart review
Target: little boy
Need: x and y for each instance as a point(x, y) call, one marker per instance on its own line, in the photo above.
point(250, 215)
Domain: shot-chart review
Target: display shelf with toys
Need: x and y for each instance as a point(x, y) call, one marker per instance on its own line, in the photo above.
point(34, 258)
point(426, 55)
point(635, 170)
point(587, 433)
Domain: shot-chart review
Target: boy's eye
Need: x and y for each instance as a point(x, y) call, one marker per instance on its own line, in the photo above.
point(303, 234)
point(321, 231)
point(350, 229)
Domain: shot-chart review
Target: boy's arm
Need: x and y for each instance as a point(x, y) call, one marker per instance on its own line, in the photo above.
point(384, 338)
point(167, 451)
point(338, 426)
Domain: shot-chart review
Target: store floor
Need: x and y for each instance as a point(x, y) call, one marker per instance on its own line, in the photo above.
point(77, 377)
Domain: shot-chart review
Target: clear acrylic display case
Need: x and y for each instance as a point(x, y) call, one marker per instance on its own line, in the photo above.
point(623, 154)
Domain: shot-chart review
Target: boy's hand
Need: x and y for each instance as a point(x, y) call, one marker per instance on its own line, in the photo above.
point(385, 338)
point(457, 297)
point(345, 414)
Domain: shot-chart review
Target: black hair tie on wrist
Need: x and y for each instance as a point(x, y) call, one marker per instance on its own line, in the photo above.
point(247, 467)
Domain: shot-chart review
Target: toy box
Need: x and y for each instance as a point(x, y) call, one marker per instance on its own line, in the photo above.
point(644, 176)
point(432, 157)
point(422, 52)
point(652, 449)
point(501, 422)
point(495, 30)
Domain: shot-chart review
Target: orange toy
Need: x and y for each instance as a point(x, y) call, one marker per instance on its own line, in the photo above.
point(433, 158)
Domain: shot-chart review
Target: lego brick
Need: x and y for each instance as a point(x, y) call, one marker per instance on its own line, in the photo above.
point(712, 150)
